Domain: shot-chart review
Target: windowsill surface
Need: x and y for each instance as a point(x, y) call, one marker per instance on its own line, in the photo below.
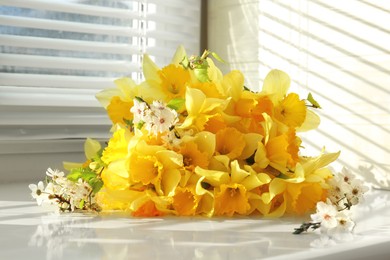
point(30, 232)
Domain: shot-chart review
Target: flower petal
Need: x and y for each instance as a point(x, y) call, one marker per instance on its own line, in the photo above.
point(276, 83)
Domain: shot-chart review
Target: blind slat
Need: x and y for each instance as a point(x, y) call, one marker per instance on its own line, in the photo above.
point(35, 61)
point(67, 44)
point(76, 8)
point(43, 116)
point(56, 81)
point(53, 97)
point(46, 24)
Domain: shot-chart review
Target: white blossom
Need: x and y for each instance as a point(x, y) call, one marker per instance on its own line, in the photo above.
point(139, 111)
point(355, 191)
point(54, 174)
point(157, 118)
point(38, 192)
point(326, 215)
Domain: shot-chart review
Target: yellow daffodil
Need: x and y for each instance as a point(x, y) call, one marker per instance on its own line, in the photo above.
point(169, 82)
point(186, 201)
point(117, 146)
point(200, 109)
point(174, 80)
point(232, 189)
point(279, 151)
point(291, 111)
point(299, 193)
point(230, 142)
point(118, 101)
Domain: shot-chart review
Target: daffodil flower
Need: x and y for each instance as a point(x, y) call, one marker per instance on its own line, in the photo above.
point(200, 109)
point(232, 189)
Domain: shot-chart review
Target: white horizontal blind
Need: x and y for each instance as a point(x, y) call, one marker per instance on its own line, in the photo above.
point(57, 54)
point(337, 50)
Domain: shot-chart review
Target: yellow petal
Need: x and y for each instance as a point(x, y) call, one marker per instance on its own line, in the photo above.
point(194, 100)
point(169, 180)
point(237, 174)
point(251, 182)
point(312, 121)
point(105, 96)
point(119, 168)
point(126, 86)
point(71, 165)
point(261, 159)
point(276, 187)
point(205, 142)
point(114, 180)
point(215, 178)
point(233, 83)
point(150, 69)
point(170, 159)
point(276, 83)
point(179, 55)
point(91, 148)
point(251, 144)
point(312, 164)
point(215, 75)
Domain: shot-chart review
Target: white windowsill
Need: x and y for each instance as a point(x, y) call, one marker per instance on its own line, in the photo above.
point(30, 232)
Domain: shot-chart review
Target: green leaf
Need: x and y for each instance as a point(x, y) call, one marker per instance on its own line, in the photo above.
point(217, 57)
point(88, 176)
point(128, 122)
point(81, 204)
point(201, 74)
point(185, 62)
point(96, 184)
point(140, 124)
point(313, 101)
point(74, 174)
point(84, 173)
point(176, 103)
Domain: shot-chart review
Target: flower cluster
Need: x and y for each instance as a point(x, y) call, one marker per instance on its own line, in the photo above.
point(189, 140)
point(63, 193)
point(345, 191)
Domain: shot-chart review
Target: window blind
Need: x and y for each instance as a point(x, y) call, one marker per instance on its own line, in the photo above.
point(57, 54)
point(338, 51)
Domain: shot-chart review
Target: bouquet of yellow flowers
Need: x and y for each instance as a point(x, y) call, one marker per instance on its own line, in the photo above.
point(189, 141)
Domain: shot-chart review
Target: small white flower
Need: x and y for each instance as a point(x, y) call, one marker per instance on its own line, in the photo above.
point(139, 111)
point(344, 223)
point(171, 140)
point(356, 191)
point(326, 215)
point(346, 176)
point(38, 193)
point(54, 174)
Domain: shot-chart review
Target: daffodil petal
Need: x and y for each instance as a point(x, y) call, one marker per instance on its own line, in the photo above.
point(276, 83)
point(237, 174)
point(105, 96)
point(126, 86)
point(179, 55)
point(170, 180)
point(91, 148)
point(150, 69)
point(312, 121)
point(71, 165)
point(215, 178)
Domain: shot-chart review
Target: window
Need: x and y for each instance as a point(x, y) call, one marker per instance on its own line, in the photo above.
point(338, 51)
point(57, 54)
